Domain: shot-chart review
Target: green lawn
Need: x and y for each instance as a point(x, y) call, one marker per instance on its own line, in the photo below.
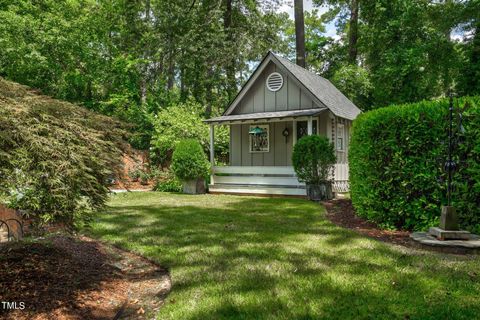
point(258, 258)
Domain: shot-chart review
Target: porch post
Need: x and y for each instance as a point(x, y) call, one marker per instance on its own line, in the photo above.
point(310, 126)
point(294, 127)
point(212, 146)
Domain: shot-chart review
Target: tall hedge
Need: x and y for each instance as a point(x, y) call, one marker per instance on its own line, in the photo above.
point(55, 157)
point(396, 161)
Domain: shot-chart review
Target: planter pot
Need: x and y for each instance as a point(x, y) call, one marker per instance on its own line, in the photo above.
point(320, 192)
point(196, 186)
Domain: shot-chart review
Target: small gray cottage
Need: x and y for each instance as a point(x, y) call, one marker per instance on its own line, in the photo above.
point(280, 103)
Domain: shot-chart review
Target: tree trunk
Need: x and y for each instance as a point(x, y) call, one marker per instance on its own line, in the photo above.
point(144, 70)
point(143, 89)
point(183, 89)
point(300, 33)
point(147, 10)
point(209, 92)
point(353, 32)
point(230, 67)
point(474, 69)
point(171, 70)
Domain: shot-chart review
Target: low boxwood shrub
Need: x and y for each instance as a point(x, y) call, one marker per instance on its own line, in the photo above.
point(396, 162)
point(189, 161)
point(313, 159)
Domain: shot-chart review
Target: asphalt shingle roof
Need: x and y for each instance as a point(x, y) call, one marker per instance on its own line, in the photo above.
point(323, 90)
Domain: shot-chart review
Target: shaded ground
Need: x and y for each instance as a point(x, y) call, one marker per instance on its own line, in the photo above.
point(233, 257)
point(67, 278)
point(342, 213)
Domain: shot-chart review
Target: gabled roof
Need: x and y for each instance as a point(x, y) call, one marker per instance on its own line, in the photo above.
point(320, 89)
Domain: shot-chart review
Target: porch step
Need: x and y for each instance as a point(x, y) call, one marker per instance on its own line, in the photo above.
point(257, 189)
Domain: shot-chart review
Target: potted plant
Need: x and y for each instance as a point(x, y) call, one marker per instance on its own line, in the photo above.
point(190, 165)
point(313, 160)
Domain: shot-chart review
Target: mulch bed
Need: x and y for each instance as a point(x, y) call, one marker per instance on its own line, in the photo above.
point(65, 277)
point(342, 213)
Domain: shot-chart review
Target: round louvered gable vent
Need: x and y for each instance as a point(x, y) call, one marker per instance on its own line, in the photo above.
point(274, 81)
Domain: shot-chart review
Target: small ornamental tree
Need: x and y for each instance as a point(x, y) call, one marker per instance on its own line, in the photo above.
point(190, 165)
point(56, 158)
point(184, 121)
point(313, 160)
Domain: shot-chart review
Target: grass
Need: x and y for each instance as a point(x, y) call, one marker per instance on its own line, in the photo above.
point(257, 258)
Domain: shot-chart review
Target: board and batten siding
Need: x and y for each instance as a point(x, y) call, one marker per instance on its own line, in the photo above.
point(280, 151)
point(290, 97)
point(260, 99)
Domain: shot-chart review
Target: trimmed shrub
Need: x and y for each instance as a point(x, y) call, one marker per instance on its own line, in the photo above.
point(189, 161)
point(313, 159)
point(396, 165)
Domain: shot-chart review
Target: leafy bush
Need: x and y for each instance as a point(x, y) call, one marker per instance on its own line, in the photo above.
point(313, 159)
point(167, 182)
point(396, 165)
point(134, 174)
point(144, 177)
point(55, 158)
point(189, 160)
point(184, 121)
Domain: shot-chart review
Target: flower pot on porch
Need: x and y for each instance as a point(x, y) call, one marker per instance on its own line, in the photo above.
point(195, 186)
point(319, 192)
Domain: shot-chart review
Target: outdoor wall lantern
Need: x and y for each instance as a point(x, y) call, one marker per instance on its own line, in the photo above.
point(285, 133)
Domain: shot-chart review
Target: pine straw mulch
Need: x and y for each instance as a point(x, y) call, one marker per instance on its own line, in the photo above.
point(64, 277)
point(342, 213)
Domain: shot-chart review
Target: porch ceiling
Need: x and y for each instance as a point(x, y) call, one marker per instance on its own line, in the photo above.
point(266, 115)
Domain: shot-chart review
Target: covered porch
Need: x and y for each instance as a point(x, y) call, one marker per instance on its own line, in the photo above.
point(261, 146)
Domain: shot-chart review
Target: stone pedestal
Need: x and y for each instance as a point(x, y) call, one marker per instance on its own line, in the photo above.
point(442, 234)
point(448, 229)
point(472, 245)
point(449, 219)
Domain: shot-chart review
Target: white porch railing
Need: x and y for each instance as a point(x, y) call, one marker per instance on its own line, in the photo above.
point(272, 176)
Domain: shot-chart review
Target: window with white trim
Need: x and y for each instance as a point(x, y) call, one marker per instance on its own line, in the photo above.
point(340, 137)
point(259, 138)
point(302, 128)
